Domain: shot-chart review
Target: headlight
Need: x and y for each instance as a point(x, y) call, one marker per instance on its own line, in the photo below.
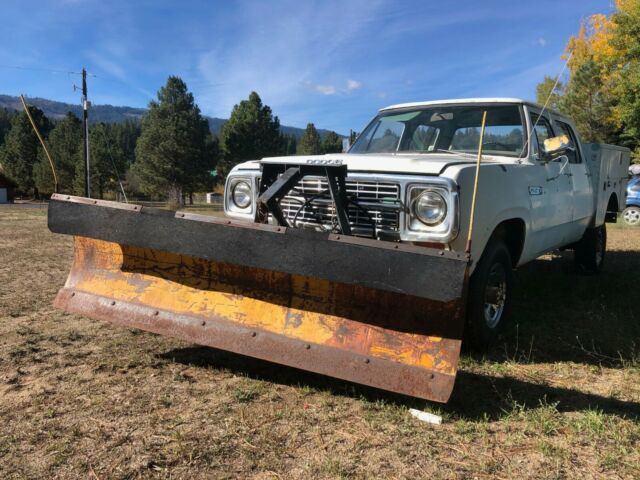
point(241, 194)
point(430, 208)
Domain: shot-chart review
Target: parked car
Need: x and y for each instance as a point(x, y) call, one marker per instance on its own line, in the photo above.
point(631, 214)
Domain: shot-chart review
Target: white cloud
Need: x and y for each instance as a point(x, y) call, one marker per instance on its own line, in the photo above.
point(542, 42)
point(325, 89)
point(353, 84)
point(109, 66)
point(281, 56)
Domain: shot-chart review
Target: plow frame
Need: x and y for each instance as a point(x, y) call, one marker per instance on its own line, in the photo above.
point(393, 270)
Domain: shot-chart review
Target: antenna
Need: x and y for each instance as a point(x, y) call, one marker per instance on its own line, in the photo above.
point(544, 107)
point(42, 142)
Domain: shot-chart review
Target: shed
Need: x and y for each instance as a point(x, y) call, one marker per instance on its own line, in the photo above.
point(7, 188)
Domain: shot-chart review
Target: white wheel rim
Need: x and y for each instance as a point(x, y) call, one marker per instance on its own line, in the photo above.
point(631, 216)
point(495, 295)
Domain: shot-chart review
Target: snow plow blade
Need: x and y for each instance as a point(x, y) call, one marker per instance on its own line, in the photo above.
point(377, 313)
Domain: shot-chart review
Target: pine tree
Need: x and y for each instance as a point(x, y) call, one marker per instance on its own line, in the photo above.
point(20, 150)
point(127, 134)
point(175, 153)
point(106, 161)
point(332, 143)
point(251, 133)
point(65, 145)
point(310, 142)
point(625, 42)
point(352, 137)
point(586, 102)
point(289, 144)
point(6, 117)
point(545, 91)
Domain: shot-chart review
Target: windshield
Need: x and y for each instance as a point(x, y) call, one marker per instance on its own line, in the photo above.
point(452, 128)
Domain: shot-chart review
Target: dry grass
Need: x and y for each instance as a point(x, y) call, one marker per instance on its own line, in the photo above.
point(560, 397)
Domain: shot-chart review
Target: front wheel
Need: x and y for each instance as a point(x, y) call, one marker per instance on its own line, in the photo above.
point(631, 215)
point(590, 250)
point(489, 297)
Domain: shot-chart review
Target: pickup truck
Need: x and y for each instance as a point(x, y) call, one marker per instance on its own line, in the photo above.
point(410, 179)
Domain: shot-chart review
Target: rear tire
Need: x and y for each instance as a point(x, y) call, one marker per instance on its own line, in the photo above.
point(490, 292)
point(631, 215)
point(590, 250)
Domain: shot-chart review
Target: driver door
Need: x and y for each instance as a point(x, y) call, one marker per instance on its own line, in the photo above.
point(550, 193)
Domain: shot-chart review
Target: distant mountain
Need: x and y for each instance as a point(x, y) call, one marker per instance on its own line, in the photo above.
point(113, 114)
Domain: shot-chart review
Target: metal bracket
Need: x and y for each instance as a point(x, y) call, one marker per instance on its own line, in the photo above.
point(277, 181)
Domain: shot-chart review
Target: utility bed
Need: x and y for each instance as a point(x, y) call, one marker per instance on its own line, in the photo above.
point(609, 169)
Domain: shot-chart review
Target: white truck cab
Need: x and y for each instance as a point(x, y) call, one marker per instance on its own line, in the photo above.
point(410, 179)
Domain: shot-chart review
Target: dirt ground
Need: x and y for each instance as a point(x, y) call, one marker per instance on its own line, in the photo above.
point(559, 397)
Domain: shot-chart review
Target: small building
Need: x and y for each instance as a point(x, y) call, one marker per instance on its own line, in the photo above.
point(7, 188)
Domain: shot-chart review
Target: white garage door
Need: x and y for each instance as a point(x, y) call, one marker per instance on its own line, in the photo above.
point(3, 195)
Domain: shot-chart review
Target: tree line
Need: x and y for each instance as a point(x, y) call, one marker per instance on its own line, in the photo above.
point(170, 154)
point(602, 90)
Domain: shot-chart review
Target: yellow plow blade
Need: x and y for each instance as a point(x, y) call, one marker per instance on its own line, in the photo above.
point(366, 331)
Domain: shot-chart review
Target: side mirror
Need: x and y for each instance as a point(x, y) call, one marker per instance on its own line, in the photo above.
point(555, 147)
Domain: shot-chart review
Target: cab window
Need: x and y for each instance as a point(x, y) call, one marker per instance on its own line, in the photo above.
point(565, 129)
point(542, 132)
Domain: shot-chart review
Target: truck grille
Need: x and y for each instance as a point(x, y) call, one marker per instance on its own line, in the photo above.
point(377, 203)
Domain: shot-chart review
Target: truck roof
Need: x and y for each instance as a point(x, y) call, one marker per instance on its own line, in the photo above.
point(455, 101)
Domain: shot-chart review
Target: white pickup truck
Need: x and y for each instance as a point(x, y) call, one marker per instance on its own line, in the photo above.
point(411, 175)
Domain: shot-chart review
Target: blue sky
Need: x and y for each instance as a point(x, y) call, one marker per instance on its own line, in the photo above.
point(332, 62)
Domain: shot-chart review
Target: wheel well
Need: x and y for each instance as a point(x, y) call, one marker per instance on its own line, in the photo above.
point(512, 232)
point(611, 215)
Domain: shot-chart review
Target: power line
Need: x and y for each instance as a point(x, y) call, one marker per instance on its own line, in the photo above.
point(43, 69)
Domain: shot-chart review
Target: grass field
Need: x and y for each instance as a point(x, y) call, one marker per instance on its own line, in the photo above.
point(558, 398)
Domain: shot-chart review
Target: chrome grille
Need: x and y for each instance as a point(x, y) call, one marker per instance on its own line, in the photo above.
point(377, 202)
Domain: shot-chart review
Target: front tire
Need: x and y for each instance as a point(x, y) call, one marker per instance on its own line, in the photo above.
point(591, 249)
point(631, 215)
point(490, 292)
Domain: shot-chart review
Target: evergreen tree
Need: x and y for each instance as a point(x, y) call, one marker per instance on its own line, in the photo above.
point(332, 143)
point(107, 162)
point(289, 144)
point(65, 145)
point(20, 150)
point(6, 117)
point(586, 102)
point(127, 134)
point(352, 137)
point(251, 133)
point(310, 142)
point(175, 152)
point(625, 68)
point(545, 90)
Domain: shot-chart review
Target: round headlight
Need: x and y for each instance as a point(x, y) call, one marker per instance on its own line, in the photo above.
point(241, 194)
point(430, 208)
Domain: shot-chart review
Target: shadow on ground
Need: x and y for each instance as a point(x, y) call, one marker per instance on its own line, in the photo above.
point(475, 397)
point(559, 316)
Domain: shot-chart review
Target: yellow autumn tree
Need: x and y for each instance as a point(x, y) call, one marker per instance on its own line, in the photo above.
point(603, 62)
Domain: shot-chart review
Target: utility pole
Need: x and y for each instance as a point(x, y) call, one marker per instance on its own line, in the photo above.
point(85, 124)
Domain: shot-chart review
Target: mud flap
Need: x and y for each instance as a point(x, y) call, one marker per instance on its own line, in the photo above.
point(377, 313)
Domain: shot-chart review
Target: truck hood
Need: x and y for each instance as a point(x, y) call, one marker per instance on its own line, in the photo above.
point(424, 164)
